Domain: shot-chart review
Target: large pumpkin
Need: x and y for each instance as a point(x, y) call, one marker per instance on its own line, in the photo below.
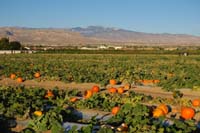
point(164, 108)
point(187, 113)
point(87, 94)
point(95, 89)
point(158, 112)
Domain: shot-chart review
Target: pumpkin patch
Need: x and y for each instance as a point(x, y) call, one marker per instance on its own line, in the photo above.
point(106, 89)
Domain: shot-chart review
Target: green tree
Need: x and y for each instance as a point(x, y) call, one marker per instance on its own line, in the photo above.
point(4, 43)
point(15, 45)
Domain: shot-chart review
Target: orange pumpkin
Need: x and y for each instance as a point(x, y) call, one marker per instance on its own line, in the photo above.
point(146, 81)
point(120, 90)
point(158, 112)
point(115, 110)
point(49, 94)
point(73, 99)
point(112, 90)
point(127, 86)
point(87, 94)
point(95, 89)
point(170, 75)
point(38, 113)
point(187, 113)
point(37, 75)
point(196, 102)
point(113, 82)
point(19, 79)
point(155, 81)
point(12, 76)
point(164, 108)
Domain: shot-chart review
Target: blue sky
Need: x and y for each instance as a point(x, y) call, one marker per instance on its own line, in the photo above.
point(153, 16)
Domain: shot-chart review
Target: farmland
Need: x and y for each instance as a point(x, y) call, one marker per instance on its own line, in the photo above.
point(48, 108)
point(172, 71)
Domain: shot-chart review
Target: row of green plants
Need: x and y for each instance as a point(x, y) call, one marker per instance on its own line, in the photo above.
point(173, 72)
point(49, 109)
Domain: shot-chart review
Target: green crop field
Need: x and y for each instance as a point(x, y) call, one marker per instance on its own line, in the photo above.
point(116, 74)
point(173, 71)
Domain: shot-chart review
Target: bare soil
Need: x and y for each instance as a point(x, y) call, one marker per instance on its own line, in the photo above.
point(147, 90)
point(47, 84)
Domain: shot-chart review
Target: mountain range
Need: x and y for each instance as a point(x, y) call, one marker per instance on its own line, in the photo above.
point(94, 35)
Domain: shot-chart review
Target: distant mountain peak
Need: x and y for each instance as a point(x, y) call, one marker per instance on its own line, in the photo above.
point(94, 35)
point(91, 30)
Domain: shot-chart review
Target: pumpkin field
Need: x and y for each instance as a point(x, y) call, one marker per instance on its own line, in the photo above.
point(100, 93)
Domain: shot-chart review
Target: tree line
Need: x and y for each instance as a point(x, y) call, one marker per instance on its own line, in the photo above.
point(5, 44)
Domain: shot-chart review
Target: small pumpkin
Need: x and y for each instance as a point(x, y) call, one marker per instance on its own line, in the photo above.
point(127, 86)
point(87, 94)
point(164, 108)
point(12, 76)
point(73, 99)
point(155, 81)
point(115, 110)
point(20, 80)
point(38, 113)
point(112, 90)
point(113, 82)
point(49, 94)
point(147, 81)
point(158, 112)
point(37, 75)
point(120, 90)
point(95, 89)
point(187, 113)
point(196, 102)
point(170, 75)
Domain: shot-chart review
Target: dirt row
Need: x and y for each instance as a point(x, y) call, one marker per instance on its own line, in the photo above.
point(148, 90)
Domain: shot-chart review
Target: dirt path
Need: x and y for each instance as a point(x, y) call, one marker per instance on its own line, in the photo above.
point(47, 84)
point(148, 90)
point(158, 92)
